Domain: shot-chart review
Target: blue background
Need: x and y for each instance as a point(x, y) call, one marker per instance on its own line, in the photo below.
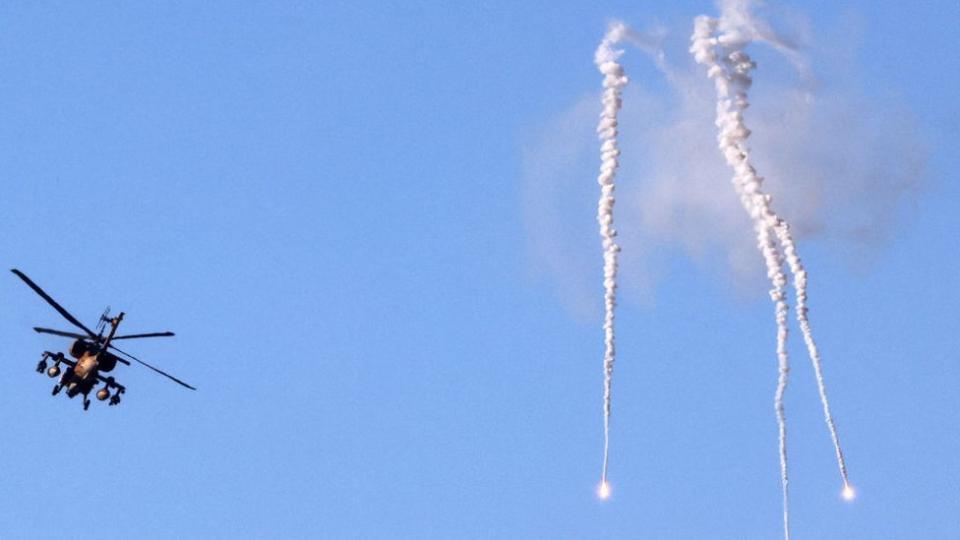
point(323, 200)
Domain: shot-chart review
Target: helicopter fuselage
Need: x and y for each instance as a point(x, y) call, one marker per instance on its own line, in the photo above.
point(84, 371)
point(83, 375)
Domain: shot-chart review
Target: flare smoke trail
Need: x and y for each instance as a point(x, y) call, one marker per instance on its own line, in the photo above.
point(800, 285)
point(614, 80)
point(732, 80)
point(739, 29)
point(731, 85)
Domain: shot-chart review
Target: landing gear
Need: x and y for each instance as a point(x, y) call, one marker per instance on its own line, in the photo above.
point(86, 403)
point(56, 389)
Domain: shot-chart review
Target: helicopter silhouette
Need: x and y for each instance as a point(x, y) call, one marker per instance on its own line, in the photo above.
point(92, 353)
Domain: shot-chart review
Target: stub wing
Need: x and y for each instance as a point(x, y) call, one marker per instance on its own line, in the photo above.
point(57, 357)
point(111, 382)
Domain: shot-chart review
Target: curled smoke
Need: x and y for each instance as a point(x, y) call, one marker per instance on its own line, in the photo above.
point(840, 162)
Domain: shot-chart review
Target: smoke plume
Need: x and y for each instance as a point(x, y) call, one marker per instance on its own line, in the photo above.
point(614, 80)
point(841, 162)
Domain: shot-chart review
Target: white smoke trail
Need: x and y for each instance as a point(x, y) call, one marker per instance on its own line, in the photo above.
point(800, 285)
point(732, 81)
point(738, 28)
point(614, 80)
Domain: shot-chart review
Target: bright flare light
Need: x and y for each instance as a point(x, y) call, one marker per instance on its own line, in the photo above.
point(848, 493)
point(604, 490)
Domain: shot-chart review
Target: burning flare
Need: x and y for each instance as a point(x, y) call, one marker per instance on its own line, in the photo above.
point(604, 490)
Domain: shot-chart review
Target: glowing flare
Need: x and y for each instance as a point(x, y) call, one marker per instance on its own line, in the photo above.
point(604, 490)
point(848, 493)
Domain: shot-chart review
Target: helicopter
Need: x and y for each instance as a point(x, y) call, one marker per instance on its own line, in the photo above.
point(92, 353)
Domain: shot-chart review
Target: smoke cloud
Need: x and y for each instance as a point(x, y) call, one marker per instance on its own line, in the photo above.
point(839, 161)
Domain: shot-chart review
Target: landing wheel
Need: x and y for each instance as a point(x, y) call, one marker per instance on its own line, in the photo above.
point(86, 403)
point(56, 389)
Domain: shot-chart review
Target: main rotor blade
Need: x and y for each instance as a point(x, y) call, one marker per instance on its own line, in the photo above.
point(59, 333)
point(152, 334)
point(66, 314)
point(169, 376)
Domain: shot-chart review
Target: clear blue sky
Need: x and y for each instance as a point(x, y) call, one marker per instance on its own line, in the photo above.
point(325, 202)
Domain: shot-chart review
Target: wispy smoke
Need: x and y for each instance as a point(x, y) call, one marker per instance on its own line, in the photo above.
point(839, 161)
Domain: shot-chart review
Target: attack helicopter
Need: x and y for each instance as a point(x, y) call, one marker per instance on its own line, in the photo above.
point(92, 353)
